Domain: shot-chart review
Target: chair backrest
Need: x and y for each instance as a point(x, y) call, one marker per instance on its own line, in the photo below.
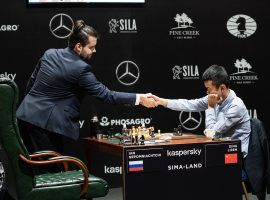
point(256, 164)
point(19, 176)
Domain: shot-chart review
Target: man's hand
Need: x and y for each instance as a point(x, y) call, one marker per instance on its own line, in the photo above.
point(147, 101)
point(160, 101)
point(213, 99)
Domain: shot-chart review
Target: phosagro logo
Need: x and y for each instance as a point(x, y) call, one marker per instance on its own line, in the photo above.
point(123, 26)
point(11, 28)
point(184, 28)
point(112, 170)
point(244, 74)
point(185, 72)
point(8, 76)
point(116, 122)
point(241, 26)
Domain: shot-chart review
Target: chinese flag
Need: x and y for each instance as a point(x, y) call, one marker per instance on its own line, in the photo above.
point(231, 158)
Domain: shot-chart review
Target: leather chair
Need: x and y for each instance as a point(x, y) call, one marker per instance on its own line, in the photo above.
point(22, 182)
point(256, 164)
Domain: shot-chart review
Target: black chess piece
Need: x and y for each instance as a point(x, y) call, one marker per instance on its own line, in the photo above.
point(142, 139)
point(136, 139)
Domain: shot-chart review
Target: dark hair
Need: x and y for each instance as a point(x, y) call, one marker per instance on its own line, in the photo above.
point(217, 74)
point(80, 34)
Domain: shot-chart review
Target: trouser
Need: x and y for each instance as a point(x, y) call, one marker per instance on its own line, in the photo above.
point(38, 139)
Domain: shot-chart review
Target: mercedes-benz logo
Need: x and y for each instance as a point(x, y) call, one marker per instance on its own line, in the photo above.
point(127, 73)
point(190, 120)
point(61, 25)
point(2, 175)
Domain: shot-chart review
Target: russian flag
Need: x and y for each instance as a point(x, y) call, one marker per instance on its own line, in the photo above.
point(135, 166)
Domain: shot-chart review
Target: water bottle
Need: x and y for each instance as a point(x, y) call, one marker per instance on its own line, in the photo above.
point(94, 126)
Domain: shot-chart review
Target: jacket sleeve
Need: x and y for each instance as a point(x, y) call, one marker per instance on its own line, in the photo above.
point(89, 82)
point(32, 78)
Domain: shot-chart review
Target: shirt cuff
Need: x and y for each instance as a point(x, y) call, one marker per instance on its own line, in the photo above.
point(137, 102)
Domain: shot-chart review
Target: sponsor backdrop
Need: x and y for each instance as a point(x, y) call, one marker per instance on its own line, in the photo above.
point(162, 47)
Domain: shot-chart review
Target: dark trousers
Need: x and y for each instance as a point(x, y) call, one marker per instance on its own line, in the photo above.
point(38, 139)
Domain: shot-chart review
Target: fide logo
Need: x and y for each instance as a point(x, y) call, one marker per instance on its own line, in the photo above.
point(241, 26)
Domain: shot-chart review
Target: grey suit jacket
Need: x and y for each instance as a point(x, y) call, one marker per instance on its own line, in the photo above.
point(56, 88)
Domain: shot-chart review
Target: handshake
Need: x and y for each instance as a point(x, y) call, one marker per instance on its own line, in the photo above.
point(150, 101)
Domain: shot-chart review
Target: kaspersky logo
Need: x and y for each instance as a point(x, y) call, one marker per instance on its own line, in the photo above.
point(105, 121)
point(184, 28)
point(112, 170)
point(244, 74)
point(6, 75)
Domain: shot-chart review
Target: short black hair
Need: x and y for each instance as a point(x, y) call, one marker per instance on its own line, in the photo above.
point(80, 34)
point(217, 74)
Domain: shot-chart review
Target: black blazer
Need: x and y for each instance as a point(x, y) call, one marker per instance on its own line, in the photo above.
point(56, 88)
point(256, 164)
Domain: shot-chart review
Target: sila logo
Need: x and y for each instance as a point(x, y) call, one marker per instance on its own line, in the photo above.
point(123, 26)
point(185, 72)
point(241, 26)
point(8, 76)
point(253, 113)
point(244, 74)
point(184, 28)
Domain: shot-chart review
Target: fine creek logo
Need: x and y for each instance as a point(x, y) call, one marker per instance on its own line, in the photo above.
point(184, 28)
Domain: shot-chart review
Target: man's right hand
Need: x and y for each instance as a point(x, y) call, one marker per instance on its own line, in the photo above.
point(213, 99)
point(160, 101)
point(147, 101)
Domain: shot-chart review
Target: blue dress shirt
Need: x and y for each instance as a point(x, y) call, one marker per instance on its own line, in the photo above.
point(228, 119)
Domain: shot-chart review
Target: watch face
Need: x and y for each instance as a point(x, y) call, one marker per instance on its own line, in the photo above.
point(2, 176)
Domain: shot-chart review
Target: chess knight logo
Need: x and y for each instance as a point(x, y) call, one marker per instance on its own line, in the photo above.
point(241, 26)
point(184, 28)
point(244, 74)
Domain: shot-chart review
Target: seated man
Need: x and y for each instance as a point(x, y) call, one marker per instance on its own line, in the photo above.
point(225, 113)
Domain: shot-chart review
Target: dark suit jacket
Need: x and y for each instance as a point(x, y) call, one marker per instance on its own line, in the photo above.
point(256, 164)
point(56, 88)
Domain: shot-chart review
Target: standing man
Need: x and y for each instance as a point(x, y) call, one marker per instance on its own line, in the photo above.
point(51, 107)
point(226, 113)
